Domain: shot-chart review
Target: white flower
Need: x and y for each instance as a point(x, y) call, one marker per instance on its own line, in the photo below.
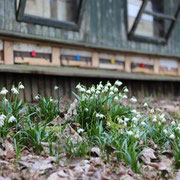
point(126, 119)
point(126, 90)
point(92, 89)
point(118, 83)
point(162, 116)
point(11, 119)
point(130, 133)
point(134, 119)
point(88, 92)
point(172, 136)
point(136, 136)
point(21, 86)
point(56, 87)
point(78, 86)
point(120, 120)
point(138, 116)
point(125, 124)
point(115, 89)
point(99, 88)
point(98, 92)
point(143, 123)
point(173, 123)
point(178, 128)
point(51, 100)
point(116, 98)
point(86, 109)
point(36, 97)
point(108, 124)
point(3, 116)
point(1, 123)
point(165, 131)
point(163, 120)
point(124, 97)
point(108, 84)
point(152, 111)
point(159, 123)
point(133, 100)
point(154, 119)
point(101, 116)
point(14, 90)
point(82, 89)
point(112, 88)
point(145, 105)
point(134, 111)
point(80, 130)
point(106, 89)
point(111, 93)
point(4, 91)
point(5, 100)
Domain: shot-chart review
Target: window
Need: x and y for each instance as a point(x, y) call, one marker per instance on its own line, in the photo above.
point(55, 13)
point(147, 20)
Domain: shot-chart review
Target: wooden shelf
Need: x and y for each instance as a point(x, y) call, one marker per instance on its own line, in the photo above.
point(82, 72)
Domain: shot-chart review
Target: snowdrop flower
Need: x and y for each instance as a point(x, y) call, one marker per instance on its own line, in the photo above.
point(5, 100)
point(82, 89)
point(125, 124)
point(134, 111)
point(101, 116)
point(134, 119)
point(92, 89)
point(130, 133)
point(162, 116)
point(115, 89)
point(145, 105)
point(118, 83)
point(109, 84)
point(1, 123)
point(21, 86)
point(80, 130)
point(78, 86)
point(126, 90)
point(163, 120)
point(4, 91)
point(112, 88)
point(99, 88)
point(178, 128)
point(120, 120)
point(126, 119)
point(165, 131)
point(56, 87)
point(133, 100)
point(154, 119)
point(88, 92)
point(124, 97)
point(98, 92)
point(172, 136)
point(36, 97)
point(116, 98)
point(159, 123)
point(3, 116)
point(14, 90)
point(106, 89)
point(86, 109)
point(51, 99)
point(152, 111)
point(111, 93)
point(143, 123)
point(108, 124)
point(136, 136)
point(11, 119)
point(173, 123)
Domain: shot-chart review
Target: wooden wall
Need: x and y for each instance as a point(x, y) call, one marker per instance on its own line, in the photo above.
point(44, 85)
point(104, 25)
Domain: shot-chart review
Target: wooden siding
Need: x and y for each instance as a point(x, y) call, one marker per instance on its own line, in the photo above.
point(44, 85)
point(104, 26)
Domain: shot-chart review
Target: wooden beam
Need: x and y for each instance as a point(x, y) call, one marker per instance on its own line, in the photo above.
point(179, 68)
point(8, 52)
point(95, 60)
point(56, 56)
point(156, 66)
point(128, 64)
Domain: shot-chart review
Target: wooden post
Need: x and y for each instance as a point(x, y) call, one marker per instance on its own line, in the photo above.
point(8, 52)
point(156, 66)
point(56, 56)
point(179, 68)
point(128, 63)
point(95, 60)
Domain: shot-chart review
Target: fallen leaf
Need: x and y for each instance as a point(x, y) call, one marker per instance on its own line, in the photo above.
point(96, 151)
point(177, 176)
point(147, 154)
point(126, 177)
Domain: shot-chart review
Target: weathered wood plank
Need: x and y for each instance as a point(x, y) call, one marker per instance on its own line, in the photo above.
point(8, 52)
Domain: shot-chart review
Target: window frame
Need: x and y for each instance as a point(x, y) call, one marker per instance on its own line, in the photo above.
point(132, 36)
point(75, 26)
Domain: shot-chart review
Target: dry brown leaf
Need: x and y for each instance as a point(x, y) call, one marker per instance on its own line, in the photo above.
point(147, 154)
point(10, 153)
point(126, 177)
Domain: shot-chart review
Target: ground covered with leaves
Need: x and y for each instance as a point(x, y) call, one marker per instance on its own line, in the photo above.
point(103, 134)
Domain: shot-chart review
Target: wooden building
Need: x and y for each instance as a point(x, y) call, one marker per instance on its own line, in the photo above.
point(62, 42)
